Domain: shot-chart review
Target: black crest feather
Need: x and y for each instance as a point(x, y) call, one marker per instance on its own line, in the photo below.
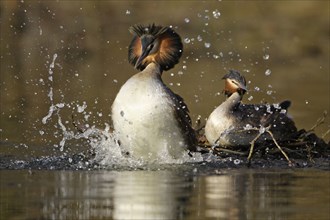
point(234, 74)
point(170, 49)
point(152, 29)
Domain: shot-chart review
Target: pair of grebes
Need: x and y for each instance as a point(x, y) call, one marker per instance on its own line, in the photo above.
point(151, 121)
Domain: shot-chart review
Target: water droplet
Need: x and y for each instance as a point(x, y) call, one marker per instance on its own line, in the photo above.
point(60, 105)
point(250, 98)
point(247, 127)
point(216, 14)
point(115, 81)
point(199, 38)
point(184, 67)
point(187, 20)
point(268, 72)
point(269, 92)
point(257, 88)
point(262, 129)
point(266, 56)
point(207, 45)
point(237, 161)
point(128, 12)
point(187, 40)
point(306, 102)
point(81, 108)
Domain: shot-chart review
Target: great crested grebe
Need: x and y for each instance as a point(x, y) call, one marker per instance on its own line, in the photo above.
point(236, 124)
point(148, 117)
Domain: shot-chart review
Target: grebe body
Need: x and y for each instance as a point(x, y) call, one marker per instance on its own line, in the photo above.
point(149, 119)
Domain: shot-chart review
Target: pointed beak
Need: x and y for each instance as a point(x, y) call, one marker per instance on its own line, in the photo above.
point(146, 44)
point(243, 87)
point(144, 54)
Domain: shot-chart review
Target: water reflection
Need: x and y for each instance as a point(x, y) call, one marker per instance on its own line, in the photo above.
point(149, 195)
point(165, 194)
point(119, 195)
point(267, 195)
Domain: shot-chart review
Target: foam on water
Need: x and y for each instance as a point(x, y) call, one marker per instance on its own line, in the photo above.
point(108, 152)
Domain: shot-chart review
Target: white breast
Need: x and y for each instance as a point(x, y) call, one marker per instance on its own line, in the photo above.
point(217, 125)
point(143, 118)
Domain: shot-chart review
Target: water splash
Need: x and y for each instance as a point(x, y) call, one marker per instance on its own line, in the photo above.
point(105, 150)
point(268, 72)
point(52, 107)
point(81, 108)
point(262, 129)
point(266, 57)
point(207, 45)
point(109, 153)
point(216, 14)
point(186, 40)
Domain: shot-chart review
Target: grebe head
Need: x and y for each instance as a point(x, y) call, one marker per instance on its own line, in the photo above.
point(234, 82)
point(161, 45)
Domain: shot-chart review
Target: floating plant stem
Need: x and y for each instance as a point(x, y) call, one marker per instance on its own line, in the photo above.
point(320, 121)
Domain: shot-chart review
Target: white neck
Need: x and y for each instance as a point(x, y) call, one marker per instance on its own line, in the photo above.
point(144, 117)
point(232, 101)
point(220, 120)
point(153, 69)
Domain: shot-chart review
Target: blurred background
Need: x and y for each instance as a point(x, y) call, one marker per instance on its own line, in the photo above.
point(282, 48)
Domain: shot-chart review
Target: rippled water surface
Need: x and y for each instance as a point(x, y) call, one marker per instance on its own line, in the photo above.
point(172, 193)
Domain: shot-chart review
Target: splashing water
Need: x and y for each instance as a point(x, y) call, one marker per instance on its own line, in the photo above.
point(52, 108)
point(266, 57)
point(104, 147)
point(268, 72)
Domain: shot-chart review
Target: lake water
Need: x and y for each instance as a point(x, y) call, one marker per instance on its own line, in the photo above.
point(173, 193)
point(73, 55)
